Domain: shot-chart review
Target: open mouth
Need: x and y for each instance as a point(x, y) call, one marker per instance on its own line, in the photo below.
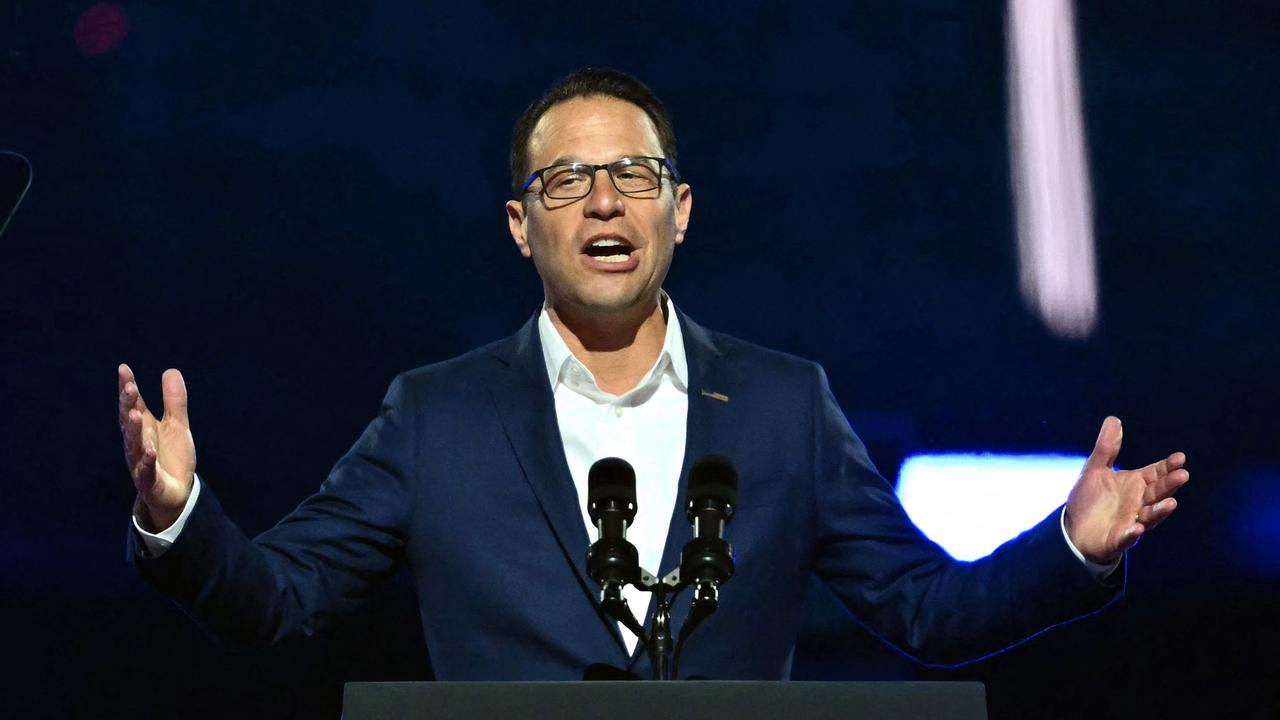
point(609, 249)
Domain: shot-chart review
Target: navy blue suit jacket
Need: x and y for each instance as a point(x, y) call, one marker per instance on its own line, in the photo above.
point(476, 437)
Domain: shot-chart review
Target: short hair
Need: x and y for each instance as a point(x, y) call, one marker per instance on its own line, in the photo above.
point(588, 82)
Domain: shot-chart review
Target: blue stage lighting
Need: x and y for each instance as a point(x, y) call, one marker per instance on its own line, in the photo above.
point(970, 503)
point(1257, 525)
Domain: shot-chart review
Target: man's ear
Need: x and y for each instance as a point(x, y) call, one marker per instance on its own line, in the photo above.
point(684, 205)
point(516, 223)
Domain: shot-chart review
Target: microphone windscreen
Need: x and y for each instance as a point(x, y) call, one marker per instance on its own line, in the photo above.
point(713, 478)
point(611, 479)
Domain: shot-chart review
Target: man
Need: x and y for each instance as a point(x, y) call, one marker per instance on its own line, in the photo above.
point(610, 368)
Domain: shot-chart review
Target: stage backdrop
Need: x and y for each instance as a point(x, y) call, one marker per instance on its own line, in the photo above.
point(294, 202)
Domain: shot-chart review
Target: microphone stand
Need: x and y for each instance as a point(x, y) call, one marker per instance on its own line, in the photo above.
point(659, 645)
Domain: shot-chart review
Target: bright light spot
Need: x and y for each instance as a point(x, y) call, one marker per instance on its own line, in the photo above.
point(101, 28)
point(971, 503)
point(1050, 172)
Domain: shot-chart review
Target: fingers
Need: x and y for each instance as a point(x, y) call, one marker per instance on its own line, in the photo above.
point(1165, 487)
point(1164, 478)
point(137, 441)
point(124, 374)
point(1152, 515)
point(1131, 536)
point(137, 427)
point(144, 471)
point(140, 429)
point(130, 397)
point(174, 390)
point(1167, 465)
point(131, 414)
point(124, 380)
point(1107, 446)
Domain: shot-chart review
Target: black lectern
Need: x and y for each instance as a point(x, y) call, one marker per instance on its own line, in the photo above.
point(667, 700)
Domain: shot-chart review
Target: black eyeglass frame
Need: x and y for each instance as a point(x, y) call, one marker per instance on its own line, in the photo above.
point(608, 168)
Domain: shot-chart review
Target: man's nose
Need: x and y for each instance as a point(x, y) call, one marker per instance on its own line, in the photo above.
point(604, 201)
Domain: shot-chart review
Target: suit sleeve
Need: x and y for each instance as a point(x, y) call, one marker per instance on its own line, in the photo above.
point(319, 561)
point(908, 590)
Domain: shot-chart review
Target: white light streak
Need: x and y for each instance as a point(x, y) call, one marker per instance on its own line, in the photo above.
point(1050, 170)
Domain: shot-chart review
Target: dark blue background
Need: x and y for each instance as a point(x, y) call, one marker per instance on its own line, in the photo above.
point(293, 204)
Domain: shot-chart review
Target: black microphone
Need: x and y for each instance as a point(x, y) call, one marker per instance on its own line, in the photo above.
point(710, 500)
point(611, 560)
point(707, 559)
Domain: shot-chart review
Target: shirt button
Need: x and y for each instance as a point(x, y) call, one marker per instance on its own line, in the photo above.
point(617, 411)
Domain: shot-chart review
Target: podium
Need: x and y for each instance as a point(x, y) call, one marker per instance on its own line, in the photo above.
point(646, 700)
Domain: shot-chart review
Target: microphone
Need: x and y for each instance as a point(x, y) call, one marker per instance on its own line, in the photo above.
point(611, 560)
point(707, 559)
point(710, 500)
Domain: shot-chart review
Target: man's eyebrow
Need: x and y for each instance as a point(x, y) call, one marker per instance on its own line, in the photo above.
point(566, 159)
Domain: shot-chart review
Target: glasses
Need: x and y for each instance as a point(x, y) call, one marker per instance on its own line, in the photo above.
point(634, 176)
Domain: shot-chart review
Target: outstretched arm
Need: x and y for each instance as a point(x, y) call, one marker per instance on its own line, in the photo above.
point(319, 561)
point(1108, 510)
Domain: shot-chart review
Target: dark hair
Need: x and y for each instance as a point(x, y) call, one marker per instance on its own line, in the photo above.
point(588, 82)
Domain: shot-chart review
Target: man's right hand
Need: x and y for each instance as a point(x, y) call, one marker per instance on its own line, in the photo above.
point(161, 454)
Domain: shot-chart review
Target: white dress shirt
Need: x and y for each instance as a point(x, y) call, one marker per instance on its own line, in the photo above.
point(645, 426)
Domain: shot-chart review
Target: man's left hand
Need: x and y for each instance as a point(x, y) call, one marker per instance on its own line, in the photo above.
point(1108, 510)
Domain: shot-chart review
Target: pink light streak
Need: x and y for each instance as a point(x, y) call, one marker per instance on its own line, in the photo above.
point(1050, 171)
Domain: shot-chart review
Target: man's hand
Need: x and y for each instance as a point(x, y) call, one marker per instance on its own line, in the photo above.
point(161, 454)
point(1108, 510)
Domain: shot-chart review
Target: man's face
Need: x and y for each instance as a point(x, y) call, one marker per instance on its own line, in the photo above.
point(559, 234)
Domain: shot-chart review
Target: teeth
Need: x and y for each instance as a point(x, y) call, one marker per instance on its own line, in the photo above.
point(606, 242)
point(612, 258)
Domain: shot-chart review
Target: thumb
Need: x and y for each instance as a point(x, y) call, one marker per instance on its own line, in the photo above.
point(1105, 450)
point(174, 390)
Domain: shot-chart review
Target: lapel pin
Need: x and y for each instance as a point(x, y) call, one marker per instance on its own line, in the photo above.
point(715, 396)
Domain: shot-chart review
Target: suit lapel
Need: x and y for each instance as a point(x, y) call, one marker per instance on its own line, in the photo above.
point(522, 395)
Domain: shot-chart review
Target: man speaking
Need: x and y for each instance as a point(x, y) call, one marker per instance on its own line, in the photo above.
point(474, 473)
